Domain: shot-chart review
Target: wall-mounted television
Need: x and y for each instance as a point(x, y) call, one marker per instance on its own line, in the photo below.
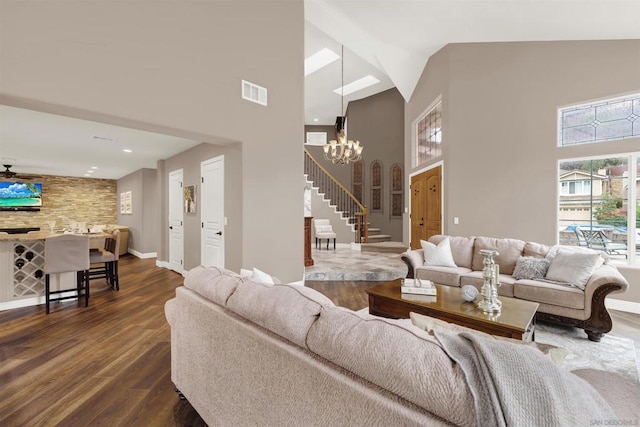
point(20, 195)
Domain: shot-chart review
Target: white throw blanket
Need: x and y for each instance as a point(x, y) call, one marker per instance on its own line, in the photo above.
point(515, 385)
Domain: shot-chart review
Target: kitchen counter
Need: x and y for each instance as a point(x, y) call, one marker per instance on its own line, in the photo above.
point(41, 235)
point(22, 268)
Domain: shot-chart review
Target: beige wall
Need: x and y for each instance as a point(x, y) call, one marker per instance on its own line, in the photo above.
point(500, 105)
point(189, 161)
point(320, 209)
point(176, 68)
point(143, 220)
point(340, 172)
point(377, 122)
point(66, 199)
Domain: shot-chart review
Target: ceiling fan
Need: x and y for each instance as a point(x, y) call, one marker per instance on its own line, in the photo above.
point(9, 174)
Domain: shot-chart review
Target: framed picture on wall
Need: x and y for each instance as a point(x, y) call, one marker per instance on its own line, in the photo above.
point(190, 199)
point(128, 203)
point(123, 201)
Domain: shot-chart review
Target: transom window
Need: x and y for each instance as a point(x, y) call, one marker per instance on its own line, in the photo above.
point(612, 119)
point(429, 135)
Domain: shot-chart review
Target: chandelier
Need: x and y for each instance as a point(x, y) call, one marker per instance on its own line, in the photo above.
point(342, 150)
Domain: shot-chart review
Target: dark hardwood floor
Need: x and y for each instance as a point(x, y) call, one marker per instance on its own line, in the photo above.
point(109, 364)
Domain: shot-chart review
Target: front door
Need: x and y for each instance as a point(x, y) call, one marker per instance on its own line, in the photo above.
point(426, 205)
point(212, 217)
point(176, 235)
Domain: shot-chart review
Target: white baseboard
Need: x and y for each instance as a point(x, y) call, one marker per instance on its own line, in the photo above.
point(617, 304)
point(143, 255)
point(27, 302)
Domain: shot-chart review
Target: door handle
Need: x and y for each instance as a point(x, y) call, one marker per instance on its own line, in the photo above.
point(219, 233)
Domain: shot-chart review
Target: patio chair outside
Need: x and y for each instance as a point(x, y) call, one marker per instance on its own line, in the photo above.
point(596, 239)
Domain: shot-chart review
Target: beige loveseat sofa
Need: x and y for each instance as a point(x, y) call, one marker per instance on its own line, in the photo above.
point(244, 353)
point(561, 301)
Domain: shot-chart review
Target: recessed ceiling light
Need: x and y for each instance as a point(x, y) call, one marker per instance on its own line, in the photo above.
point(315, 120)
point(87, 174)
point(319, 60)
point(357, 85)
point(127, 150)
point(90, 171)
point(94, 167)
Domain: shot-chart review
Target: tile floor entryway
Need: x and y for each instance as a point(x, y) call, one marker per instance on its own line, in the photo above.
point(348, 264)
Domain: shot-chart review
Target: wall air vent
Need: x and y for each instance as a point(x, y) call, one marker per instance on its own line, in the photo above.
point(316, 138)
point(254, 93)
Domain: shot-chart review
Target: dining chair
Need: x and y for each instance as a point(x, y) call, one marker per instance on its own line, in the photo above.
point(62, 254)
point(104, 262)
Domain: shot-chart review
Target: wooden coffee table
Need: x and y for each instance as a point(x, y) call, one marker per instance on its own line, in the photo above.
point(516, 320)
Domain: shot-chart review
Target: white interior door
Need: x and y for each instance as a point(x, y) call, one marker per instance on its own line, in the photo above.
point(212, 213)
point(176, 235)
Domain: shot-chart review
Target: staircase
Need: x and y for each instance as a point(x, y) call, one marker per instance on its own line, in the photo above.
point(349, 208)
point(375, 236)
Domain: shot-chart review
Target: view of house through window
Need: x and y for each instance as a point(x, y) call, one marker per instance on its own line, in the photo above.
point(599, 205)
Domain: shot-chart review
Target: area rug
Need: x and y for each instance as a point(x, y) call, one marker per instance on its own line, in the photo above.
point(610, 354)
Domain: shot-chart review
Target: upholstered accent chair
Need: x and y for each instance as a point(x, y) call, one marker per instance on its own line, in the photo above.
point(324, 230)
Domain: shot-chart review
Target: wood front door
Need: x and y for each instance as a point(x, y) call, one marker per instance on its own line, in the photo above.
point(426, 205)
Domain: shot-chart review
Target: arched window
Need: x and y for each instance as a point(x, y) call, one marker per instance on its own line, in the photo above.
point(357, 180)
point(397, 193)
point(376, 186)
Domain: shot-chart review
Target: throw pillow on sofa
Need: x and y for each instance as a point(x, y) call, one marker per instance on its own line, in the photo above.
point(531, 268)
point(574, 268)
point(257, 276)
point(438, 255)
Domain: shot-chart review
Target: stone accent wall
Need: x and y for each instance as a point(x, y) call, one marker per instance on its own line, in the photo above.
point(67, 199)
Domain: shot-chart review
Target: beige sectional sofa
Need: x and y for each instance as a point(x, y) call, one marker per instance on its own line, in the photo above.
point(562, 299)
point(245, 353)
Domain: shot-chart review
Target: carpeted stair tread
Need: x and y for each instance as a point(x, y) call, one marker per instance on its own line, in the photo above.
point(384, 247)
point(376, 238)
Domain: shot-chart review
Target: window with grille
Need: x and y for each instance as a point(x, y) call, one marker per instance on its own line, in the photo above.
point(428, 135)
point(397, 194)
point(376, 186)
point(357, 180)
point(611, 119)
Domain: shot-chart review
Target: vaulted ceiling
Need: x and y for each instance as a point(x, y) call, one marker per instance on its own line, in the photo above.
point(390, 40)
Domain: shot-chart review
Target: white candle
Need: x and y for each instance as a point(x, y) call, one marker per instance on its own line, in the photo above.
point(496, 270)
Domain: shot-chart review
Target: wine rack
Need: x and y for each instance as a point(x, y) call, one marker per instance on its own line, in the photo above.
point(28, 269)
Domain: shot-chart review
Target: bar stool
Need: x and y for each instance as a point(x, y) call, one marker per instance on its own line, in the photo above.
point(107, 261)
point(62, 254)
